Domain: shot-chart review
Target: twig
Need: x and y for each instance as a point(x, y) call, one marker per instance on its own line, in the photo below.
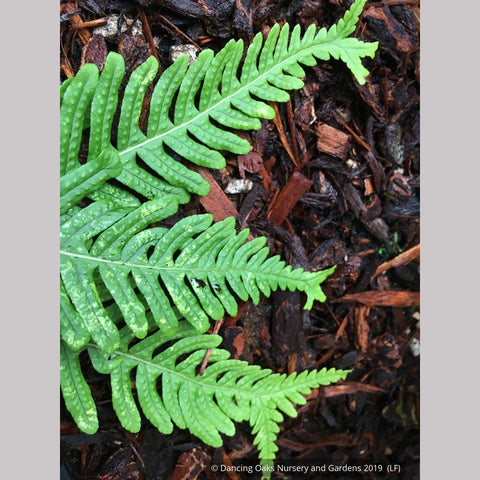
point(402, 259)
point(293, 137)
point(171, 25)
point(91, 23)
point(383, 298)
point(357, 137)
point(218, 324)
point(76, 20)
point(341, 328)
point(337, 321)
point(325, 357)
point(281, 132)
point(148, 34)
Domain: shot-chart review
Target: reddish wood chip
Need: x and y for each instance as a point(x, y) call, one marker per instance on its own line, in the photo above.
point(384, 298)
point(190, 464)
point(283, 203)
point(332, 141)
point(95, 51)
point(216, 202)
point(252, 162)
point(362, 328)
point(395, 28)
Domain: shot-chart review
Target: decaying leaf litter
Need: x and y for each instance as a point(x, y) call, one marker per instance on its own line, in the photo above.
point(333, 180)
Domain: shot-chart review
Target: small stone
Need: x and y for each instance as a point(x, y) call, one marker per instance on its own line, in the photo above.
point(395, 148)
point(177, 50)
point(110, 30)
point(351, 164)
point(414, 347)
point(238, 185)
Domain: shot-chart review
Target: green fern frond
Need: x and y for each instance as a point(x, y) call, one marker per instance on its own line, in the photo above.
point(207, 405)
point(194, 110)
point(196, 267)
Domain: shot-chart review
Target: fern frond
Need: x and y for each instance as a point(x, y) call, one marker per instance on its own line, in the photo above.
point(192, 268)
point(194, 110)
point(207, 405)
point(76, 391)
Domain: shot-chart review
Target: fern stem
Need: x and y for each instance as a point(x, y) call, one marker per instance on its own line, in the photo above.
point(203, 366)
point(172, 269)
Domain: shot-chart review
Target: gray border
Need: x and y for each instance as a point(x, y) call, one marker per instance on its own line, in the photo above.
point(29, 240)
point(450, 266)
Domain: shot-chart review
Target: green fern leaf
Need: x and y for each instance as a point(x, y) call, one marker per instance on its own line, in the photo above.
point(75, 99)
point(207, 405)
point(76, 391)
point(197, 266)
point(77, 269)
point(85, 179)
point(72, 328)
point(194, 111)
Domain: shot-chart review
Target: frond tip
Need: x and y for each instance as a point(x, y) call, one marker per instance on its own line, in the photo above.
point(207, 405)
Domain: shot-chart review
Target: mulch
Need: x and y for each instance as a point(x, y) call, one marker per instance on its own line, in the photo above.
point(334, 180)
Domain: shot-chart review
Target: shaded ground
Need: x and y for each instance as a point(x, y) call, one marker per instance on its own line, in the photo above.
point(335, 181)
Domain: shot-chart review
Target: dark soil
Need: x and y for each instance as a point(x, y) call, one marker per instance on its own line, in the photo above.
point(346, 194)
